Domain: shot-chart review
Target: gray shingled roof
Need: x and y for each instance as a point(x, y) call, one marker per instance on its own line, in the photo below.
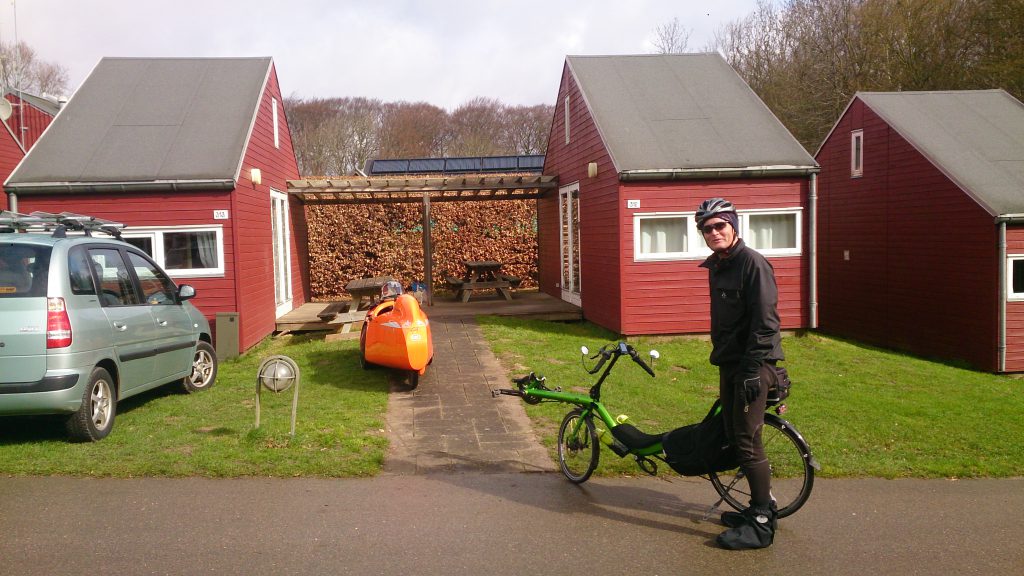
point(976, 137)
point(682, 112)
point(140, 122)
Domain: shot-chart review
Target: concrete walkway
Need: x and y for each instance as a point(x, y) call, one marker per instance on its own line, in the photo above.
point(450, 422)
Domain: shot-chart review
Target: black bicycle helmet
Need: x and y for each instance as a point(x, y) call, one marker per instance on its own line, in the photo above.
point(713, 207)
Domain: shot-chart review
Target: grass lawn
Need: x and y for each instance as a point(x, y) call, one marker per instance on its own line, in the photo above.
point(339, 430)
point(865, 412)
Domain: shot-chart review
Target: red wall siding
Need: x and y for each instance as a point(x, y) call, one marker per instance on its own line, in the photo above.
point(906, 259)
point(35, 121)
point(600, 286)
point(682, 304)
point(159, 209)
point(251, 212)
point(10, 154)
point(1014, 310)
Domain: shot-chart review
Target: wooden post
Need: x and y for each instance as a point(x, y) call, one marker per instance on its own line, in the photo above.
point(428, 256)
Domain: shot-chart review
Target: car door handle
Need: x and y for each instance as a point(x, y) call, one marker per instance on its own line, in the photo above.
point(120, 326)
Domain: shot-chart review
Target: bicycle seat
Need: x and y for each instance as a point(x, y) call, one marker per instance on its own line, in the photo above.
point(633, 438)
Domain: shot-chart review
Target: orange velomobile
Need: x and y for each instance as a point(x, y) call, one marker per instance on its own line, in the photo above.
point(396, 334)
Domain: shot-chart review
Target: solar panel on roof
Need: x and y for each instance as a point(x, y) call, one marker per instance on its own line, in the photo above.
point(504, 163)
point(430, 165)
point(533, 162)
point(462, 165)
point(389, 167)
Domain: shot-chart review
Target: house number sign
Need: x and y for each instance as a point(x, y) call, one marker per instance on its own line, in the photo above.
point(632, 203)
point(220, 214)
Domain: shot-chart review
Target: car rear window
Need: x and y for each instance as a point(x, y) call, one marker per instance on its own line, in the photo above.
point(23, 270)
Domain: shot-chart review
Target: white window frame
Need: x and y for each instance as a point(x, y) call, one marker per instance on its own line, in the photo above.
point(1012, 296)
point(156, 236)
point(277, 130)
point(698, 249)
point(745, 229)
point(856, 154)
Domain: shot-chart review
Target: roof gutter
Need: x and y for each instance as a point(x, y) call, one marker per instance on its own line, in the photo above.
point(709, 173)
point(29, 188)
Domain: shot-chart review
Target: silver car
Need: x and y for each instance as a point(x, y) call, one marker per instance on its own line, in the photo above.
point(89, 320)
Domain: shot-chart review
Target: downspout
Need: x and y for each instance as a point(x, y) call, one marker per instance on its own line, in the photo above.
point(812, 248)
point(12, 201)
point(1002, 294)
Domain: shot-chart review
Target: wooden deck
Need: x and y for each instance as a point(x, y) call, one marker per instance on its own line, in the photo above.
point(533, 305)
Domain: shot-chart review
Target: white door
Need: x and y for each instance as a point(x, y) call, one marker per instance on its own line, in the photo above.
point(569, 224)
point(282, 252)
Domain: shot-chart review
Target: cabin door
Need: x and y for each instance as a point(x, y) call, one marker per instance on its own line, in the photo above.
point(282, 252)
point(569, 224)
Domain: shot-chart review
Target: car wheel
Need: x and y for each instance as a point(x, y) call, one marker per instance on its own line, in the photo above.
point(95, 417)
point(204, 369)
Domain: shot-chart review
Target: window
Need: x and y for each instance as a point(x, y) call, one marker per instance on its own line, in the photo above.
point(1015, 277)
point(674, 236)
point(566, 119)
point(667, 237)
point(157, 288)
point(79, 272)
point(277, 131)
point(183, 251)
point(771, 233)
point(856, 153)
point(116, 286)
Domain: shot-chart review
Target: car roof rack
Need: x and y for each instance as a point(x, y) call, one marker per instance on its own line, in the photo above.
point(59, 224)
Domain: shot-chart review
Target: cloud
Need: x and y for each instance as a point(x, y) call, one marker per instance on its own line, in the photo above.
point(443, 52)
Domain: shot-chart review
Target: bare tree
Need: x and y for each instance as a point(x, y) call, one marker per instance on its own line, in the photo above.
point(671, 38)
point(475, 128)
point(525, 129)
point(21, 69)
point(807, 58)
point(411, 130)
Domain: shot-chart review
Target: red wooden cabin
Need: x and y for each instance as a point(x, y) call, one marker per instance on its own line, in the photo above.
point(921, 240)
point(30, 116)
point(193, 155)
point(637, 142)
point(11, 153)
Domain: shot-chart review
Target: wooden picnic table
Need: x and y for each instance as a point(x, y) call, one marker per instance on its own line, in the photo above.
point(366, 288)
point(483, 275)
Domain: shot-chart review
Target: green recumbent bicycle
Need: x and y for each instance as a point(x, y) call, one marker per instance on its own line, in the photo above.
point(687, 450)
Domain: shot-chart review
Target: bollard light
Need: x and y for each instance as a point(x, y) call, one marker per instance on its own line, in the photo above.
point(277, 374)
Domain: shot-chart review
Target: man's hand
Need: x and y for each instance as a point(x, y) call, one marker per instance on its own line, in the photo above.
point(751, 388)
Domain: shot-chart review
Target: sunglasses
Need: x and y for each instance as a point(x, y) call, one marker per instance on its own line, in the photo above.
point(717, 227)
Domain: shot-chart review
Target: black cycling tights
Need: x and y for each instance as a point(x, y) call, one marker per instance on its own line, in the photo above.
point(743, 425)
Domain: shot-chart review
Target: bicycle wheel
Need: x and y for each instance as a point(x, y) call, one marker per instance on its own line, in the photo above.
point(792, 470)
point(578, 448)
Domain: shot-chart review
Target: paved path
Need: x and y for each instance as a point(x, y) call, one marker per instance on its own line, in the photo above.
point(495, 524)
point(450, 422)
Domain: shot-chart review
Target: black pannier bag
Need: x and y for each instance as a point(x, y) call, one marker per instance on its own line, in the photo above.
point(700, 448)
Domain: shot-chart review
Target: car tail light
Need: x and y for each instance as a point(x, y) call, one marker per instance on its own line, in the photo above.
point(58, 324)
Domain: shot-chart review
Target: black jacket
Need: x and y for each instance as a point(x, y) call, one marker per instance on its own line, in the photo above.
point(744, 313)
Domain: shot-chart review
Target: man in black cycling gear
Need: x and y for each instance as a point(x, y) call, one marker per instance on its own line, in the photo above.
point(746, 347)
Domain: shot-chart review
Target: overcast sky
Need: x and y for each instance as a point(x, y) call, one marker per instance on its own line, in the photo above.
point(442, 52)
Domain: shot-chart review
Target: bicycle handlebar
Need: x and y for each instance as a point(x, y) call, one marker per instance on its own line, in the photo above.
point(617, 349)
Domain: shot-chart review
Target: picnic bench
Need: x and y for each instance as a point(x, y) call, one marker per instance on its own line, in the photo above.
point(481, 275)
point(367, 289)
